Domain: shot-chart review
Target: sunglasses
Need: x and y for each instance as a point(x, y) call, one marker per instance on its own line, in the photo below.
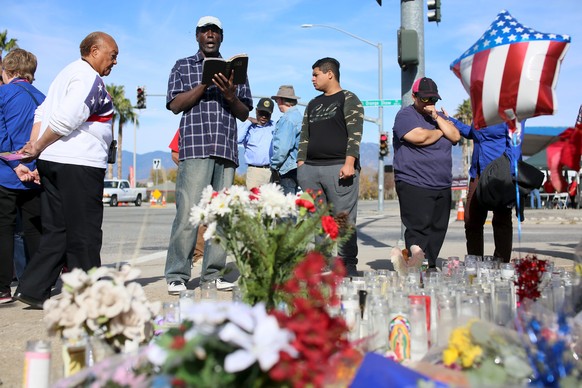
point(432, 100)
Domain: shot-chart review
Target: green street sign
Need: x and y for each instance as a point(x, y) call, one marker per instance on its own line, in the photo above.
point(381, 102)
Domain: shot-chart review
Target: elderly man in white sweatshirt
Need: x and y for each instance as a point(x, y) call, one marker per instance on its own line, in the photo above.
point(71, 138)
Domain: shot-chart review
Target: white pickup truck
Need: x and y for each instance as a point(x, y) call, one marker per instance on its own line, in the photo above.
point(118, 190)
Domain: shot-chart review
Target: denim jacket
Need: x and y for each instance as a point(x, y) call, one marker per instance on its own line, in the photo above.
point(286, 141)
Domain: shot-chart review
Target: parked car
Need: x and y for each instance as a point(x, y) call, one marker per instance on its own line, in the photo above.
point(119, 190)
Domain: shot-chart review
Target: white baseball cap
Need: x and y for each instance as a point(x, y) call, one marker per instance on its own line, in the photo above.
point(207, 20)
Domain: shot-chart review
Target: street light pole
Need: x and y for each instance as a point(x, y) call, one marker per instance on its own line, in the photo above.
point(134, 151)
point(380, 120)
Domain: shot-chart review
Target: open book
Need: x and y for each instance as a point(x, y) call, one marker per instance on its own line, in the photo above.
point(238, 63)
point(10, 156)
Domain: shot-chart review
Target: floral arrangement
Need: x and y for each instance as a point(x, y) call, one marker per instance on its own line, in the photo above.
point(551, 344)
point(103, 302)
point(221, 344)
point(117, 371)
point(267, 233)
point(490, 355)
point(318, 336)
point(235, 345)
point(529, 271)
point(404, 262)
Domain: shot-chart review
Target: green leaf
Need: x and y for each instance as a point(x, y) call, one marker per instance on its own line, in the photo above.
point(488, 374)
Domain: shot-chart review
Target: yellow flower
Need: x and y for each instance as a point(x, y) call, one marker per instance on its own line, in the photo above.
point(450, 356)
point(461, 347)
point(460, 338)
point(469, 355)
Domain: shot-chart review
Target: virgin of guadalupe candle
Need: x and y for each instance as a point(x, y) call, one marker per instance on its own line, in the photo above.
point(399, 336)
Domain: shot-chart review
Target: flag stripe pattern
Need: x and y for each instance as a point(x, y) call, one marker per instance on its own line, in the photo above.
point(511, 72)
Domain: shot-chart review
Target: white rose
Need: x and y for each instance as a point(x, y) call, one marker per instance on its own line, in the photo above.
point(75, 280)
point(106, 300)
point(126, 274)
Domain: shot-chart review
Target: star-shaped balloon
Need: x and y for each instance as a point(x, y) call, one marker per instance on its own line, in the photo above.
point(511, 72)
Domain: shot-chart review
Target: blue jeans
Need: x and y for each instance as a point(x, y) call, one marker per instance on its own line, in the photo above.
point(535, 194)
point(340, 194)
point(193, 176)
point(288, 182)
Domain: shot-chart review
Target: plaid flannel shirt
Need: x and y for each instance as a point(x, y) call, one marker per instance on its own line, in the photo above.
point(209, 128)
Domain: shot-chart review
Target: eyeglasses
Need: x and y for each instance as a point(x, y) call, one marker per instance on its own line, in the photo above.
point(263, 113)
point(432, 100)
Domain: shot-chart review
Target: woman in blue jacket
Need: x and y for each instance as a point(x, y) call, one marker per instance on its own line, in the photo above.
point(18, 181)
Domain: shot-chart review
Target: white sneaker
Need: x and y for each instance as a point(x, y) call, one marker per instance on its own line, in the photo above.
point(223, 285)
point(175, 287)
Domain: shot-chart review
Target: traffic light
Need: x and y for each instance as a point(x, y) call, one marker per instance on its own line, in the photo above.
point(434, 10)
point(141, 98)
point(383, 144)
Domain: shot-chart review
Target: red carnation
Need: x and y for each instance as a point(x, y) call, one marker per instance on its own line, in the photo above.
point(178, 343)
point(255, 194)
point(330, 226)
point(308, 205)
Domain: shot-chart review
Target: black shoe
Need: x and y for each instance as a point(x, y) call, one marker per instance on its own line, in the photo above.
point(35, 304)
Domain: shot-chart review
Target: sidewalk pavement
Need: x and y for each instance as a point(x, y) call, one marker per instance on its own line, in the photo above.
point(378, 232)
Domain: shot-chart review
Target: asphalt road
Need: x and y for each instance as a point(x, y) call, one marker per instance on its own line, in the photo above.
point(143, 233)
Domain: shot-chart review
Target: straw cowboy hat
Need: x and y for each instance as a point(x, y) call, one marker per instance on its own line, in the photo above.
point(286, 91)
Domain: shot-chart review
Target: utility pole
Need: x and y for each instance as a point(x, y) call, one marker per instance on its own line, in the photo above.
point(411, 19)
point(412, 66)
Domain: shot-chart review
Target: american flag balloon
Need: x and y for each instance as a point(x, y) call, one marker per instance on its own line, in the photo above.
point(511, 72)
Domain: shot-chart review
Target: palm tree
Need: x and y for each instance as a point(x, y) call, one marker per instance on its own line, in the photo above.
point(465, 114)
point(122, 113)
point(5, 43)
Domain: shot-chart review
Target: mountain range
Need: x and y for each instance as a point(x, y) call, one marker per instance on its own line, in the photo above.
point(145, 162)
point(368, 153)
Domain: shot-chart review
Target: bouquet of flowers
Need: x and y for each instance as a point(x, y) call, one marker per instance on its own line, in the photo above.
point(404, 262)
point(490, 355)
point(268, 233)
point(103, 302)
point(529, 271)
point(219, 345)
point(234, 345)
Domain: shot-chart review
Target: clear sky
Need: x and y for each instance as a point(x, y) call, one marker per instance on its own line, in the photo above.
point(152, 34)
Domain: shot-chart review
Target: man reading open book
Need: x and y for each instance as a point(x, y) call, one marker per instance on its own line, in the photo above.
point(208, 150)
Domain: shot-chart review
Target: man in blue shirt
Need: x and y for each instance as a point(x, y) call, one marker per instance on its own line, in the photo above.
point(256, 138)
point(208, 151)
point(286, 139)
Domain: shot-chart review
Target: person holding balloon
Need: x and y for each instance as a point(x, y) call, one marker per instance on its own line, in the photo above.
point(489, 143)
